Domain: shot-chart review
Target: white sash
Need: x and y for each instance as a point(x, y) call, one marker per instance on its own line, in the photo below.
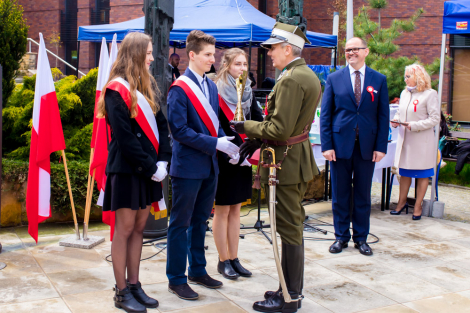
point(202, 98)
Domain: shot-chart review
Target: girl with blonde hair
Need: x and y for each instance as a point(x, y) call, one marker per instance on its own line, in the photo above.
point(234, 184)
point(416, 116)
point(138, 154)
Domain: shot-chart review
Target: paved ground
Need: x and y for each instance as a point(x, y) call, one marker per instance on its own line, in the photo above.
point(417, 267)
point(457, 200)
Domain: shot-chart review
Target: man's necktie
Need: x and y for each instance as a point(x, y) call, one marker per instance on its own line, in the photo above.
point(204, 87)
point(357, 87)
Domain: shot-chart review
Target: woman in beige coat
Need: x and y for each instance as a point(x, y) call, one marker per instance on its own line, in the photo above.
point(417, 114)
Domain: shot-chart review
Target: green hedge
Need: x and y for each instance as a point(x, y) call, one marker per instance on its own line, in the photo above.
point(16, 172)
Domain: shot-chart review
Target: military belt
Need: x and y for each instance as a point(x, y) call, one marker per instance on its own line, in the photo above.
point(291, 141)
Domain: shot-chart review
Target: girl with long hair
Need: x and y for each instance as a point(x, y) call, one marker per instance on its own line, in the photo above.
point(138, 155)
point(234, 185)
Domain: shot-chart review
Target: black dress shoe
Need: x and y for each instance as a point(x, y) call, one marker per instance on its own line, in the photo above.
point(276, 303)
point(140, 295)
point(363, 247)
point(338, 246)
point(239, 268)
point(123, 299)
point(205, 281)
point(183, 291)
point(225, 268)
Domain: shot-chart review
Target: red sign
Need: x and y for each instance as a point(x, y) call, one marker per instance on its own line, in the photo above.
point(462, 25)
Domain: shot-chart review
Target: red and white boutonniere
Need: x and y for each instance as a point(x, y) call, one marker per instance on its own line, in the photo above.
point(415, 103)
point(371, 90)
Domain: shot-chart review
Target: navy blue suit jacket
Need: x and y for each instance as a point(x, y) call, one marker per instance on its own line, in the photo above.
point(340, 115)
point(194, 152)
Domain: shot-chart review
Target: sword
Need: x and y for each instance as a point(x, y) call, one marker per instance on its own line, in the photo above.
point(272, 182)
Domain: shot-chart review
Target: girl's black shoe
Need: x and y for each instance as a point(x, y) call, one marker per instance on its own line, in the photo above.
point(140, 295)
point(395, 212)
point(239, 268)
point(123, 299)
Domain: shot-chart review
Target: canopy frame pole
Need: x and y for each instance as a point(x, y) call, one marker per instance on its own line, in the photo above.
point(78, 57)
point(436, 128)
point(249, 56)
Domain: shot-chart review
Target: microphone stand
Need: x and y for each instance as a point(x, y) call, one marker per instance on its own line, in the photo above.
point(259, 223)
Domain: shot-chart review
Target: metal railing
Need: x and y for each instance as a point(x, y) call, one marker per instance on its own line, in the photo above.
point(56, 56)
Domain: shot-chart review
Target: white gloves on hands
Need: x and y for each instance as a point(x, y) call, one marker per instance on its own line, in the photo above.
point(245, 163)
point(235, 160)
point(224, 145)
point(161, 172)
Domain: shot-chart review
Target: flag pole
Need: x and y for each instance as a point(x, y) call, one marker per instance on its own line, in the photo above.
point(92, 152)
point(77, 231)
point(86, 218)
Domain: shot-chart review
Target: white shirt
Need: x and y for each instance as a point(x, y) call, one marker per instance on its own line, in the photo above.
point(203, 83)
point(352, 74)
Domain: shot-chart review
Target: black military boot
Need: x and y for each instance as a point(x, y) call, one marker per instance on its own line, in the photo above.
point(293, 268)
point(140, 295)
point(123, 299)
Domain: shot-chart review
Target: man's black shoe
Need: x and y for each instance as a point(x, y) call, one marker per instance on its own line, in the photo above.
point(205, 281)
point(276, 303)
point(338, 246)
point(363, 248)
point(183, 291)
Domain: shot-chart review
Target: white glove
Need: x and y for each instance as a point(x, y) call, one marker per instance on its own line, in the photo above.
point(235, 160)
point(245, 163)
point(224, 145)
point(161, 172)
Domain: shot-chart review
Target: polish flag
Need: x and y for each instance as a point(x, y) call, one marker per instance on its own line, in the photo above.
point(103, 136)
point(46, 137)
point(101, 81)
point(99, 141)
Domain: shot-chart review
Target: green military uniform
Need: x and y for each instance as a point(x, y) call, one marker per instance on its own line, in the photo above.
point(290, 112)
point(290, 107)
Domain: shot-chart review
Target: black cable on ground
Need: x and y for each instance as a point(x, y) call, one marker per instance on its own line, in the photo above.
point(322, 223)
point(314, 226)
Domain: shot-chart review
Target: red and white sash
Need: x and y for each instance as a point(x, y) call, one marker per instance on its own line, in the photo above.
point(203, 108)
point(229, 111)
point(145, 118)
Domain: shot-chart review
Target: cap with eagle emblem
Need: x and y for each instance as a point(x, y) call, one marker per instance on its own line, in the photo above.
point(286, 33)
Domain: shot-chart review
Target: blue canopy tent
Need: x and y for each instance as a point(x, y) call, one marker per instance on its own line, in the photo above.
point(456, 20)
point(234, 23)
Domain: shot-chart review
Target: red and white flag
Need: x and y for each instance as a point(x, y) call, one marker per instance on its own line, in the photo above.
point(101, 81)
point(103, 132)
point(46, 137)
point(99, 141)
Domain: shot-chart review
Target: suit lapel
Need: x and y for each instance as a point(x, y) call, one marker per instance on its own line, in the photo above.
point(212, 101)
point(190, 74)
point(347, 83)
point(367, 80)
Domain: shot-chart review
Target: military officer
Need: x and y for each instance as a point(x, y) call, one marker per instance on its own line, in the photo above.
point(290, 112)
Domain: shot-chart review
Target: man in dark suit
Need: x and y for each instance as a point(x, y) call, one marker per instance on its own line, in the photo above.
point(193, 108)
point(173, 63)
point(354, 123)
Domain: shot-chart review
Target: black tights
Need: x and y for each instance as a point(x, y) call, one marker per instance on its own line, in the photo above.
point(126, 248)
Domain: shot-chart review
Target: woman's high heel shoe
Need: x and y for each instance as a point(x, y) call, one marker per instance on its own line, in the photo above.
point(395, 212)
point(416, 218)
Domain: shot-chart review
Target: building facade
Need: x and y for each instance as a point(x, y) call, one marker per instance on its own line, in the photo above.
point(65, 16)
